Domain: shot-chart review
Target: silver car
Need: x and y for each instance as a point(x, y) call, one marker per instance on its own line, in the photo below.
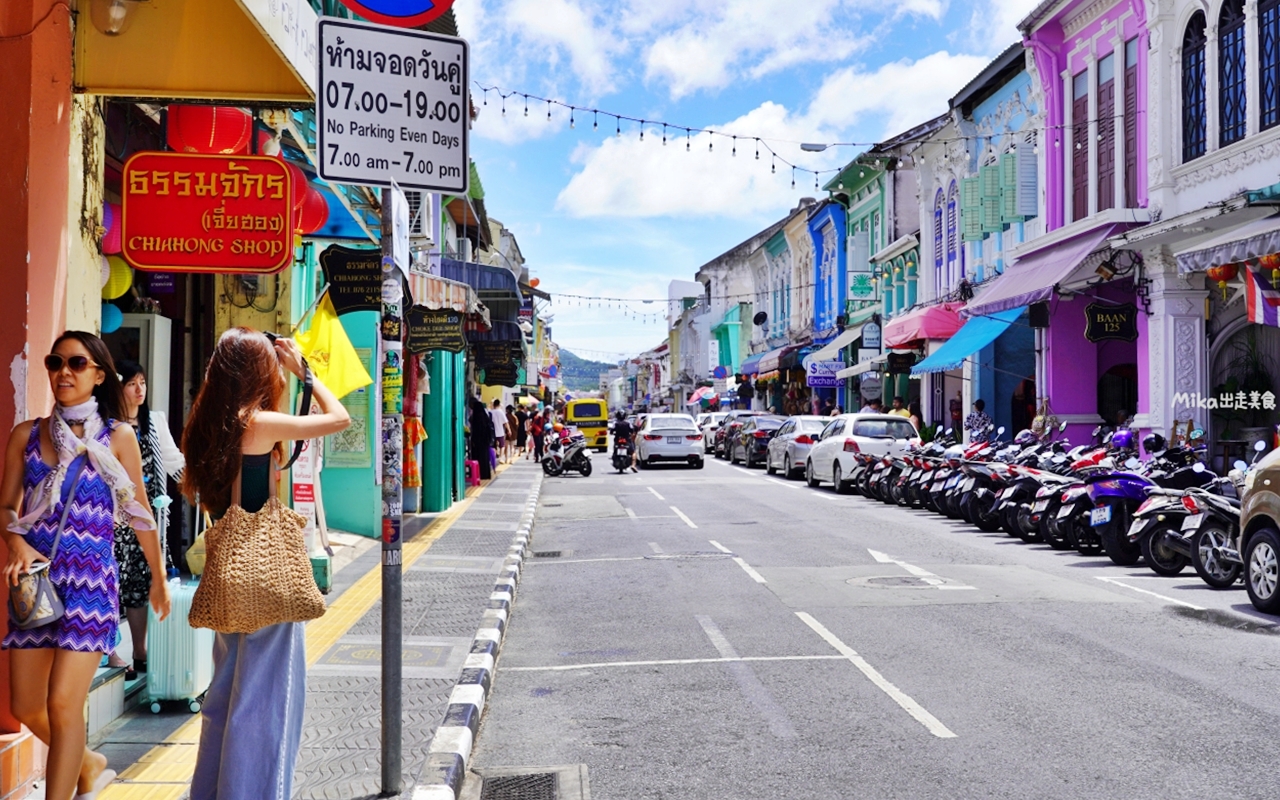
point(790, 445)
point(708, 423)
point(669, 437)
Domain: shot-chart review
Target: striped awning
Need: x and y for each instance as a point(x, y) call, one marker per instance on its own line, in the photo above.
point(434, 292)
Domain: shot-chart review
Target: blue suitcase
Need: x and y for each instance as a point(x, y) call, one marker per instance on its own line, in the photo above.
point(179, 657)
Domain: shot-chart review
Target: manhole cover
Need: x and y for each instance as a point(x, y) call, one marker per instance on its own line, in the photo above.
point(893, 582)
point(547, 553)
point(534, 786)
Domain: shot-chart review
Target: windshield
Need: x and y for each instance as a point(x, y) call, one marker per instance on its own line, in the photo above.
point(810, 425)
point(884, 429)
point(670, 422)
point(586, 411)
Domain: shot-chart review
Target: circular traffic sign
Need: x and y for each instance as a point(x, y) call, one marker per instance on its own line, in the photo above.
point(401, 13)
point(720, 372)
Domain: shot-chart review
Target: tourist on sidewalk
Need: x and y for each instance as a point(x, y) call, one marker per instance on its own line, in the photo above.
point(82, 455)
point(160, 459)
point(499, 419)
point(481, 437)
point(252, 724)
point(522, 431)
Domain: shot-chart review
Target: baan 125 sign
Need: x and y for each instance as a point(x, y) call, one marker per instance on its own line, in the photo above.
point(186, 212)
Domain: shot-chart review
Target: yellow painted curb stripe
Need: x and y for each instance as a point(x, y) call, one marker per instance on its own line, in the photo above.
point(164, 772)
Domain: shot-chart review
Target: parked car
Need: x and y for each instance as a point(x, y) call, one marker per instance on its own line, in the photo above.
point(728, 427)
point(831, 459)
point(669, 437)
point(752, 439)
point(1259, 546)
point(709, 423)
point(789, 447)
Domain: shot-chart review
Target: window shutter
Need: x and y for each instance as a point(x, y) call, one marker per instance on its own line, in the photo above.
point(1028, 203)
point(971, 209)
point(1009, 188)
point(990, 181)
point(860, 252)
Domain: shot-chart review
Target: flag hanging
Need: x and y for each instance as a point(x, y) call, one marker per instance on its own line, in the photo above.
point(330, 354)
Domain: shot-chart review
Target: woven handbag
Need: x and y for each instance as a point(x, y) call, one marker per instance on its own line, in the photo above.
point(257, 572)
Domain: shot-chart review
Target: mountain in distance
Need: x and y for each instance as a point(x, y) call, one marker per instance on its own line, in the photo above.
point(580, 374)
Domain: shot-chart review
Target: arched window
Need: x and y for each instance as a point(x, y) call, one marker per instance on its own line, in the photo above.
point(953, 235)
point(1231, 96)
point(939, 248)
point(1269, 61)
point(1193, 113)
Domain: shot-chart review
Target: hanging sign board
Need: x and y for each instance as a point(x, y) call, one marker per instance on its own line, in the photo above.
point(354, 277)
point(871, 335)
point(392, 105)
point(188, 212)
point(435, 330)
point(900, 363)
point(870, 386)
point(1103, 321)
point(501, 375)
point(822, 374)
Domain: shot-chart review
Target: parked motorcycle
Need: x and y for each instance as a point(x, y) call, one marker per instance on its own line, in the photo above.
point(572, 456)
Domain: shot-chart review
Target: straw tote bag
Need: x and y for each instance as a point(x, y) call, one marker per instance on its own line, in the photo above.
point(257, 570)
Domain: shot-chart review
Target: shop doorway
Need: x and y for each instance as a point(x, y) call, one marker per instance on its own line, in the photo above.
point(1023, 405)
point(1118, 391)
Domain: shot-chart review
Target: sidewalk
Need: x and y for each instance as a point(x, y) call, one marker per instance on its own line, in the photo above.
point(451, 563)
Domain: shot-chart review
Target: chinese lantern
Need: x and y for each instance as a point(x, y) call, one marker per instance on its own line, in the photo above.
point(1271, 261)
point(534, 282)
point(298, 180)
point(111, 221)
point(208, 129)
point(119, 279)
point(1222, 273)
point(315, 212)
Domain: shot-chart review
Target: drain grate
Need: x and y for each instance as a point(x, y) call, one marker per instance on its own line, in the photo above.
point(547, 553)
point(533, 786)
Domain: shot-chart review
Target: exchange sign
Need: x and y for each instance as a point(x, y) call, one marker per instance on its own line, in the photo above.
point(392, 105)
point(186, 212)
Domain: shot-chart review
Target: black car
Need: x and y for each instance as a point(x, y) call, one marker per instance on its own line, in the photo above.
point(751, 441)
point(728, 429)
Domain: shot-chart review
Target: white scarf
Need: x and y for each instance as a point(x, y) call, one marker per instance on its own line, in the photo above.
point(68, 446)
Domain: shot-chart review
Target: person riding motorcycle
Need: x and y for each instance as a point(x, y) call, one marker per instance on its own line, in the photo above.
point(623, 430)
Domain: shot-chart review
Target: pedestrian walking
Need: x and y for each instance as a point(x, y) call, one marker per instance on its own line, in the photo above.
point(66, 477)
point(252, 719)
point(160, 459)
point(481, 437)
point(977, 423)
point(522, 431)
point(499, 419)
point(913, 412)
point(538, 430)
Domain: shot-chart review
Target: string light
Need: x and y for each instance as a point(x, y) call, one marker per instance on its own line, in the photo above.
point(548, 111)
point(526, 105)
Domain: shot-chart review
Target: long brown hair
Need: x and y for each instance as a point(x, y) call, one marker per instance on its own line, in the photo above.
point(109, 393)
point(243, 377)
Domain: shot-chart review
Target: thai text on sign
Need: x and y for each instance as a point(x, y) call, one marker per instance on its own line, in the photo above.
point(186, 212)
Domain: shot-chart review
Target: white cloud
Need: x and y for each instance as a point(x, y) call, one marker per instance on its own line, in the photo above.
point(564, 25)
point(627, 177)
point(994, 23)
point(515, 126)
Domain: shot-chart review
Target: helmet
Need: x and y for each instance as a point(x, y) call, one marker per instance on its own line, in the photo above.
point(1123, 438)
point(557, 426)
point(1024, 438)
point(1153, 443)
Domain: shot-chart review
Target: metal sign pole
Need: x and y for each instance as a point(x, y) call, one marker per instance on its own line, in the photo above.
point(391, 333)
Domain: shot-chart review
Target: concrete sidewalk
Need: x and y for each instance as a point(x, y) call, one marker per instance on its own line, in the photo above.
point(451, 563)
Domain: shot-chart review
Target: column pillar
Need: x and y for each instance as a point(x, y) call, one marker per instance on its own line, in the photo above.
point(1176, 351)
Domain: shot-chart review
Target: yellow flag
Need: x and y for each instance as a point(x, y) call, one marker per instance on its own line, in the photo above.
point(330, 354)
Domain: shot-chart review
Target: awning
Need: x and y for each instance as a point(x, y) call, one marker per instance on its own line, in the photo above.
point(434, 292)
point(770, 360)
point(1250, 241)
point(860, 368)
point(831, 351)
point(795, 356)
point(1032, 278)
point(750, 364)
point(931, 322)
point(976, 334)
point(249, 50)
point(501, 331)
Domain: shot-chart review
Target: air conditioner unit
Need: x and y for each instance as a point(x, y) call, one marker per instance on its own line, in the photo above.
point(420, 216)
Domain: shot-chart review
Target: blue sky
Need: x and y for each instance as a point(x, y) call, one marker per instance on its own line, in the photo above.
point(596, 214)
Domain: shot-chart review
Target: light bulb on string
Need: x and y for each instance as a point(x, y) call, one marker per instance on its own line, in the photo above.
point(793, 177)
point(711, 142)
point(486, 97)
point(526, 105)
point(773, 167)
point(595, 120)
point(571, 125)
point(504, 103)
point(618, 122)
point(815, 181)
point(735, 147)
point(642, 130)
point(548, 111)
point(757, 149)
point(664, 134)
point(687, 145)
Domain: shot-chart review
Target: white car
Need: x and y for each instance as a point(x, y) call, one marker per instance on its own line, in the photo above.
point(831, 458)
point(669, 437)
point(708, 423)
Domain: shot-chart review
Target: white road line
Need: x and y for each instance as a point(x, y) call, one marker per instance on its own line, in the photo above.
point(898, 696)
point(919, 572)
point(655, 547)
point(755, 576)
point(750, 685)
point(830, 497)
point(668, 662)
point(1153, 594)
point(655, 493)
point(631, 513)
point(719, 546)
point(681, 515)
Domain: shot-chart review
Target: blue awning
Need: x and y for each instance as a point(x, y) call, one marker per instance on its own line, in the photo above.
point(974, 335)
point(485, 279)
point(751, 364)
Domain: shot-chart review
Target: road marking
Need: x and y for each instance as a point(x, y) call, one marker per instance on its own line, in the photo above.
point(1153, 594)
point(667, 662)
point(748, 683)
point(654, 546)
point(755, 576)
point(919, 572)
point(655, 493)
point(681, 515)
point(898, 696)
point(631, 513)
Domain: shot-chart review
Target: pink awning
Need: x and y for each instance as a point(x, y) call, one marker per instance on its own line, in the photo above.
point(932, 322)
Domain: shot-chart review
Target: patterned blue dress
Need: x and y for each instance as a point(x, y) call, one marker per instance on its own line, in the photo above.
point(84, 570)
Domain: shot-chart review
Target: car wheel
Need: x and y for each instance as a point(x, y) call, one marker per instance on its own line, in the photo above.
point(699, 463)
point(788, 471)
point(1262, 571)
point(837, 479)
point(769, 468)
point(733, 457)
point(809, 477)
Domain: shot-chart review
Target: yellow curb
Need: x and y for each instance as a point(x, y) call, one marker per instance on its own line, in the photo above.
point(164, 771)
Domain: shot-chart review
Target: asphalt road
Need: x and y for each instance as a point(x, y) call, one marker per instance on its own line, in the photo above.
point(725, 634)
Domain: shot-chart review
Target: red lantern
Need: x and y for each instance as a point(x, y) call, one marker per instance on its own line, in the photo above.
point(208, 129)
point(265, 135)
point(299, 181)
point(111, 221)
point(314, 214)
point(1223, 273)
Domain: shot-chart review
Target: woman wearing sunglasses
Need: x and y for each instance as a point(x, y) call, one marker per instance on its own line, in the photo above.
point(52, 666)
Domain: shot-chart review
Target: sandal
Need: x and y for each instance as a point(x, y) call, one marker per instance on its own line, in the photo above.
point(104, 780)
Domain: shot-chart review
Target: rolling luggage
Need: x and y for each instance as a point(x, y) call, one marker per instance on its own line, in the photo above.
point(179, 657)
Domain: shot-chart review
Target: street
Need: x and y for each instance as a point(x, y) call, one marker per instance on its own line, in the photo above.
point(723, 633)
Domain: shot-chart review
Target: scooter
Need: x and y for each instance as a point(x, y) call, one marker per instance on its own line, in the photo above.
point(621, 453)
point(563, 458)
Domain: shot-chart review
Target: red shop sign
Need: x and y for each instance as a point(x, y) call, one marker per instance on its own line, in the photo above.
point(188, 212)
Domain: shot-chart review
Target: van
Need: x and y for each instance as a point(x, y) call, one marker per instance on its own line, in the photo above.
point(590, 415)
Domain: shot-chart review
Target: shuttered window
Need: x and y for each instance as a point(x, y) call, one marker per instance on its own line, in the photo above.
point(1106, 132)
point(1080, 146)
point(971, 208)
point(1194, 121)
point(1131, 123)
point(989, 179)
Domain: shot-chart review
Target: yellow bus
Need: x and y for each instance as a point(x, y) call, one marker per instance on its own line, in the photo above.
point(590, 416)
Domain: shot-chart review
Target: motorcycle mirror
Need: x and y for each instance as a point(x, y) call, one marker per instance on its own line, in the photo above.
point(1240, 465)
point(1197, 467)
point(1095, 430)
point(947, 432)
point(1062, 426)
point(1132, 463)
point(1000, 431)
point(1107, 439)
point(1198, 433)
point(1259, 446)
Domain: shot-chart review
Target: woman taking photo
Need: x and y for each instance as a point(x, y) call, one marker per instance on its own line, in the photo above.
point(252, 724)
point(80, 447)
point(160, 459)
